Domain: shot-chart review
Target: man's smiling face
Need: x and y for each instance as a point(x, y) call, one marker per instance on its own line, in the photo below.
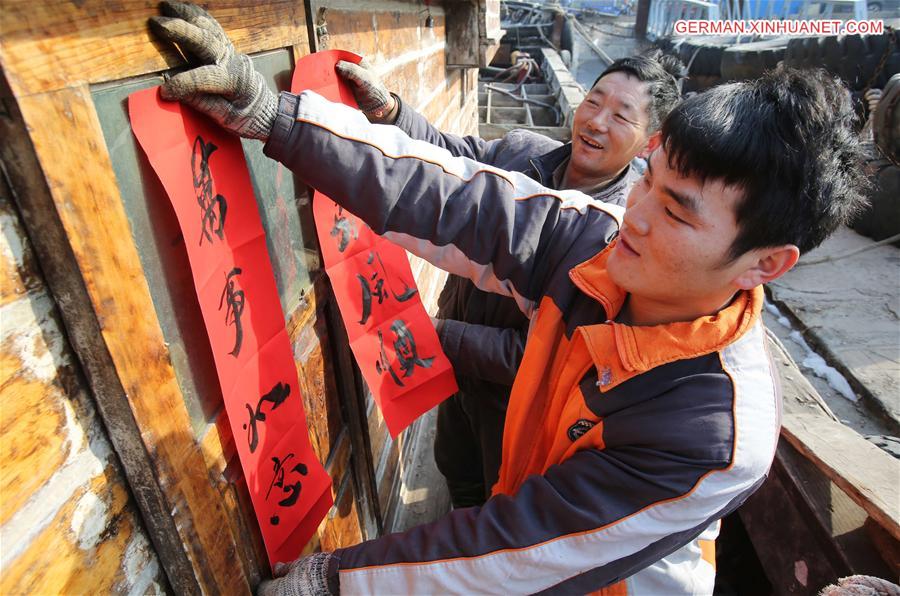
point(610, 127)
point(672, 255)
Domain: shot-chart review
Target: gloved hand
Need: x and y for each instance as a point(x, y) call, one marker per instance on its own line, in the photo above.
point(224, 85)
point(307, 576)
point(373, 98)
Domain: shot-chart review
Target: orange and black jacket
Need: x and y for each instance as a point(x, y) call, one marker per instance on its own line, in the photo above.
point(622, 445)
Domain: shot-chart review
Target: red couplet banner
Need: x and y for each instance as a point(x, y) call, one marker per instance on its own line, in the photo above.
point(203, 170)
point(391, 335)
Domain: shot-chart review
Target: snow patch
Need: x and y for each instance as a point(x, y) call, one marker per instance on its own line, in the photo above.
point(773, 310)
point(812, 361)
point(820, 368)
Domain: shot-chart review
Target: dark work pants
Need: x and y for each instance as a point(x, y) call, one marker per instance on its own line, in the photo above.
point(468, 444)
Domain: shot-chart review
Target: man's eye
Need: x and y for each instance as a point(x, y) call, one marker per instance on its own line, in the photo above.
point(675, 217)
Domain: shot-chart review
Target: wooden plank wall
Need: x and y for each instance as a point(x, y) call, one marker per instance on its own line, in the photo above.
point(67, 522)
point(112, 358)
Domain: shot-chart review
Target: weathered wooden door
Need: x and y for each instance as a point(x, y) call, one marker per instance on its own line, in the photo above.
point(115, 260)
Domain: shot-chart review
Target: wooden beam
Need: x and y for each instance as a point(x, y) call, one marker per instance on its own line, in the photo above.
point(49, 45)
point(867, 474)
point(352, 394)
point(833, 516)
point(863, 471)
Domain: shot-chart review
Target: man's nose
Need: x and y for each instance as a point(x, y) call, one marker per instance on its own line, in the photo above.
point(600, 121)
point(635, 218)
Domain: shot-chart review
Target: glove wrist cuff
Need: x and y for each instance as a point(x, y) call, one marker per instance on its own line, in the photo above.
point(264, 119)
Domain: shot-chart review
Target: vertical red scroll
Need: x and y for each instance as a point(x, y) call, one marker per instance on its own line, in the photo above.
point(391, 335)
point(202, 168)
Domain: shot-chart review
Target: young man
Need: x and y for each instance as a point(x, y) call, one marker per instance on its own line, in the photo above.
point(646, 407)
point(483, 334)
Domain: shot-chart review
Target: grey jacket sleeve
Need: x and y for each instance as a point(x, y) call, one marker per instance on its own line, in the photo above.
point(482, 352)
point(416, 126)
point(502, 230)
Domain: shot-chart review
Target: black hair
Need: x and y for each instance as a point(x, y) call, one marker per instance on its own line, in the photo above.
point(787, 140)
point(661, 73)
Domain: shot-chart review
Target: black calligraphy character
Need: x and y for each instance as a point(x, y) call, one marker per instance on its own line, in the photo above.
point(366, 298)
point(405, 347)
point(278, 479)
point(407, 292)
point(212, 208)
point(379, 292)
point(234, 307)
point(276, 397)
point(383, 364)
point(345, 228)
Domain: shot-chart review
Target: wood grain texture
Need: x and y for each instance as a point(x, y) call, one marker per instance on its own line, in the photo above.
point(830, 513)
point(107, 308)
point(45, 46)
point(797, 567)
point(59, 562)
point(887, 546)
point(866, 473)
point(67, 521)
point(341, 526)
point(835, 511)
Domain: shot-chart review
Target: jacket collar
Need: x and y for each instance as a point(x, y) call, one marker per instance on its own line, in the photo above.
point(639, 349)
point(544, 165)
point(614, 191)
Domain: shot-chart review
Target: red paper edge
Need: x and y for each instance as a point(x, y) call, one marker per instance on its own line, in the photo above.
point(310, 520)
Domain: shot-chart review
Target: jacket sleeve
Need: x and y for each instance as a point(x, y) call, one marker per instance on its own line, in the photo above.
point(502, 230)
point(482, 352)
point(416, 126)
point(596, 518)
point(650, 478)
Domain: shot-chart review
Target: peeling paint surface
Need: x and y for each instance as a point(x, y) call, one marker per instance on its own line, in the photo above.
point(141, 568)
point(68, 522)
point(89, 520)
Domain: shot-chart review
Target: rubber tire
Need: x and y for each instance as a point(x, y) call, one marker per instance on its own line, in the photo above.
point(853, 58)
point(882, 218)
point(886, 120)
point(751, 60)
point(708, 59)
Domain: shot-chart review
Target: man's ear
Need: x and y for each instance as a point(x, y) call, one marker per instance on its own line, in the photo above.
point(768, 264)
point(652, 143)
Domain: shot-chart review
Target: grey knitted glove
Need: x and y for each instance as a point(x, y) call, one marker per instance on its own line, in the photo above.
point(372, 96)
point(307, 576)
point(224, 84)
